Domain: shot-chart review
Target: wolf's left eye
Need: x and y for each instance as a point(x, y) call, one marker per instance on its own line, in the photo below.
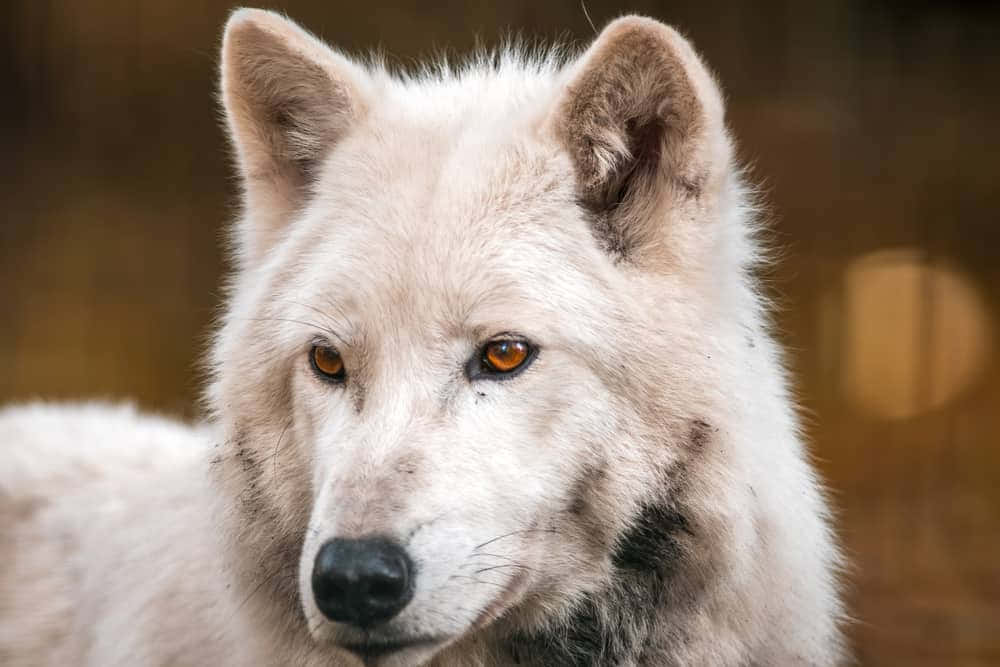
point(327, 363)
point(502, 358)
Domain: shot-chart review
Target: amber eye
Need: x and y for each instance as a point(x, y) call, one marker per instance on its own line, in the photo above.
point(504, 357)
point(327, 363)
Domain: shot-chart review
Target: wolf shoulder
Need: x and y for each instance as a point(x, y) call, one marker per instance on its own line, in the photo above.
point(94, 499)
point(60, 448)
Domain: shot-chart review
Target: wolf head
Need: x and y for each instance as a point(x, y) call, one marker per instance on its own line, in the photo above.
point(482, 334)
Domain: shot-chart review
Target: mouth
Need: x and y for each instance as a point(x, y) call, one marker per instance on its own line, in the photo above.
point(372, 651)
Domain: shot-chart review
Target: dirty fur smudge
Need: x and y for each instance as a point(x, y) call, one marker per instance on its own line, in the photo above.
point(613, 625)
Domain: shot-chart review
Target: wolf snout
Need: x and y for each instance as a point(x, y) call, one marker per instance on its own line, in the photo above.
point(362, 582)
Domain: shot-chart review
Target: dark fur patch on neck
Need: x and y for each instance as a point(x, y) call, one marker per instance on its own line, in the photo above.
point(614, 626)
point(652, 544)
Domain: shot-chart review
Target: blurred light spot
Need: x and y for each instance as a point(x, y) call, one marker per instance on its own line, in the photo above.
point(915, 334)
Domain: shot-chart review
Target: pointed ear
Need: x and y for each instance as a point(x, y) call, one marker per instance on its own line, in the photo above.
point(642, 120)
point(288, 99)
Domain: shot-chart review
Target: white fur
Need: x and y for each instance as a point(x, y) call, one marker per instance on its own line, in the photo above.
point(443, 214)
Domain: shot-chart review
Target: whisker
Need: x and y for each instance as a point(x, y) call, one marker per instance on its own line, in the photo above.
point(482, 554)
point(474, 580)
point(277, 446)
point(516, 532)
point(497, 567)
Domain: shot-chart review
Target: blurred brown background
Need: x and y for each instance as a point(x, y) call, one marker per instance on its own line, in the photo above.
point(871, 124)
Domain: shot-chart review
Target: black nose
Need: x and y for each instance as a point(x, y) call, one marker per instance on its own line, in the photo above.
point(362, 582)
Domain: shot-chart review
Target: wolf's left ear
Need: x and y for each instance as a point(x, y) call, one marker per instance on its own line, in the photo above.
point(288, 99)
point(642, 120)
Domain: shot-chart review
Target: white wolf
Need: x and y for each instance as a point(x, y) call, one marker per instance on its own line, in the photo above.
point(494, 386)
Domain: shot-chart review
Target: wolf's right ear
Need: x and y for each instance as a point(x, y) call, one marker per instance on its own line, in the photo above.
point(288, 99)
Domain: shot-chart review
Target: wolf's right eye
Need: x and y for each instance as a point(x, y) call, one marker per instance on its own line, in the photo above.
point(327, 363)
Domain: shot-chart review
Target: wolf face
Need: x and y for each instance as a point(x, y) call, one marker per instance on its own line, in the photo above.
point(479, 352)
